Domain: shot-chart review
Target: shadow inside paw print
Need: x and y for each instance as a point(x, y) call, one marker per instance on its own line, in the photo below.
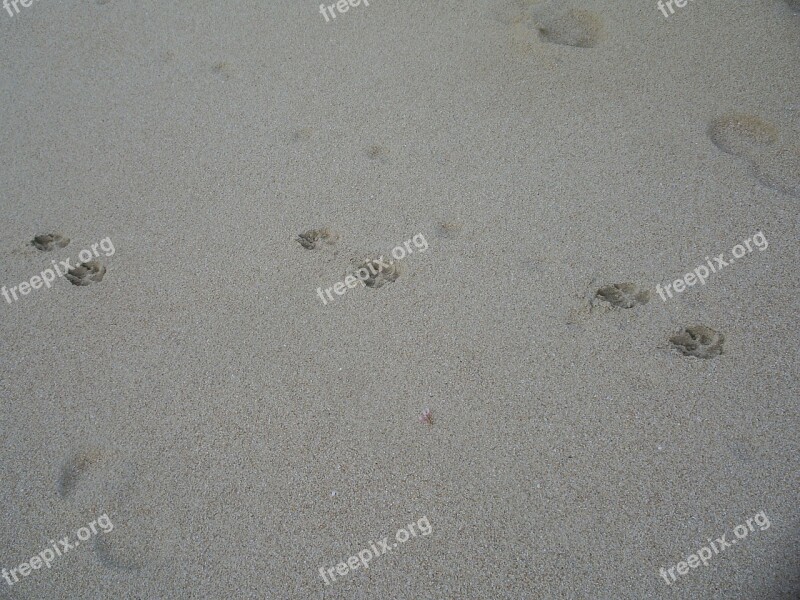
point(380, 273)
point(48, 241)
point(314, 238)
point(86, 273)
point(698, 341)
point(623, 295)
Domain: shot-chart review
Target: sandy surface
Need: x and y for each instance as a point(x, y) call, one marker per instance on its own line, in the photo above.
point(239, 434)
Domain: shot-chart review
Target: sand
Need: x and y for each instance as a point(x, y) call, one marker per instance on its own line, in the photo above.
point(240, 434)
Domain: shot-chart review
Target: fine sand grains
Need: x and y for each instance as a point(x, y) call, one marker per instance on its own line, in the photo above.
point(565, 156)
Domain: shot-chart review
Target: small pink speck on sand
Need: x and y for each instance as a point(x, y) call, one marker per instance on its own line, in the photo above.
point(426, 417)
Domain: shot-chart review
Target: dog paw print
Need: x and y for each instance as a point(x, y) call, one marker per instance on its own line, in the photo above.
point(49, 241)
point(315, 238)
point(698, 341)
point(86, 273)
point(623, 295)
point(379, 273)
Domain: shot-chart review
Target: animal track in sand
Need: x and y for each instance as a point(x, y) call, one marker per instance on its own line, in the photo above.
point(449, 229)
point(576, 28)
point(385, 273)
point(378, 153)
point(594, 299)
point(698, 341)
point(742, 135)
point(752, 139)
point(316, 238)
point(780, 170)
point(302, 134)
point(113, 558)
point(223, 70)
point(623, 295)
point(49, 241)
point(75, 469)
point(86, 273)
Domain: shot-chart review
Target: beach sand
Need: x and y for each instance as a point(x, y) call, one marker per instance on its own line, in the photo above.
point(240, 434)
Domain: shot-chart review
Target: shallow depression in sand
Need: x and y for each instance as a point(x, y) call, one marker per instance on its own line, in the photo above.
point(577, 28)
point(742, 134)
